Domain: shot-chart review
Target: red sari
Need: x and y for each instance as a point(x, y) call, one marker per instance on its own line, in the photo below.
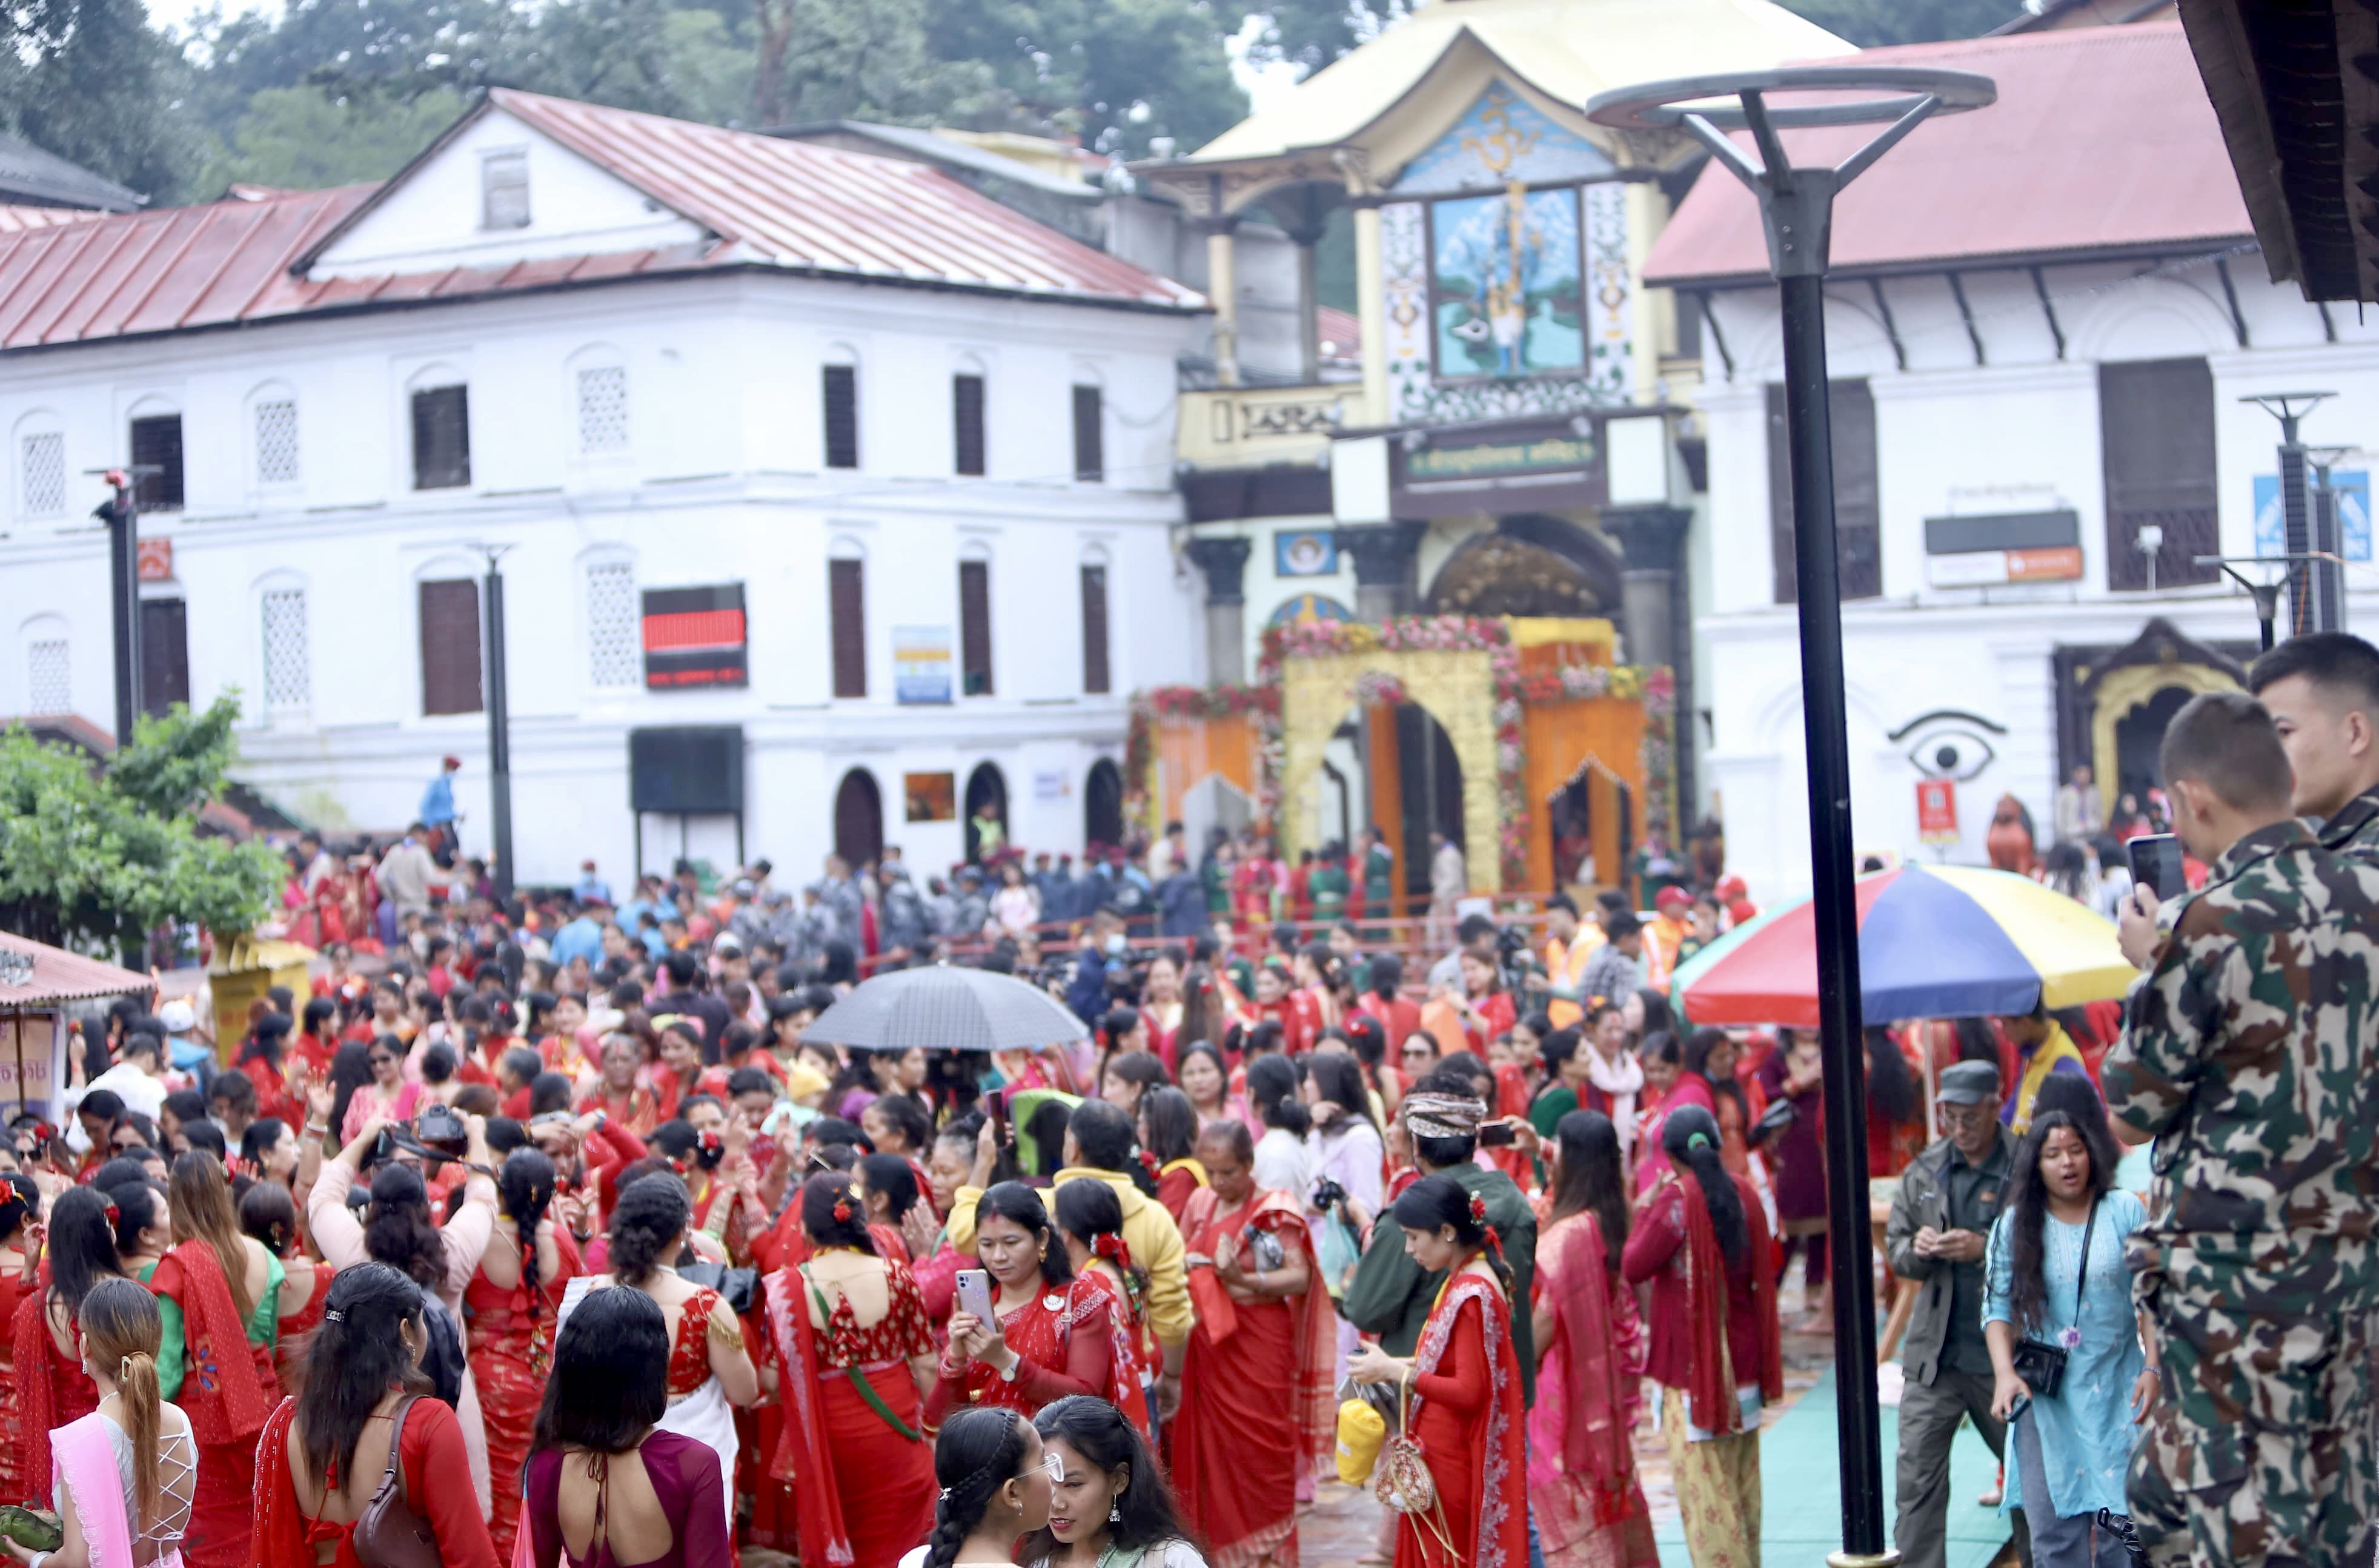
point(51, 1391)
point(1465, 1415)
point(1180, 1181)
point(1064, 1339)
point(12, 1411)
point(1588, 1499)
point(511, 1351)
point(225, 1399)
point(867, 1486)
point(1238, 1444)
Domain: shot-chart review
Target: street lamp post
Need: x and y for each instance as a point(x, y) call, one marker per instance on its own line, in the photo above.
point(1797, 207)
point(499, 726)
point(121, 512)
point(2310, 585)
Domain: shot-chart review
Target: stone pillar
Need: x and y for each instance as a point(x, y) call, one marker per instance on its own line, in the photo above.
point(1225, 562)
point(1385, 555)
point(1305, 214)
point(1223, 288)
point(1656, 618)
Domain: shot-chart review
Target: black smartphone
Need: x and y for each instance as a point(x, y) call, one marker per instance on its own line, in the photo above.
point(999, 1117)
point(2155, 866)
point(1497, 1135)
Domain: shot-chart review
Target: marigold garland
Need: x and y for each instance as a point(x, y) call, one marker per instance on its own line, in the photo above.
point(1656, 689)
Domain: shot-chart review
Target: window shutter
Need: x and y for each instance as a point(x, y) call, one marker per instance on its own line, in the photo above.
point(276, 442)
point(2156, 429)
point(975, 626)
point(615, 656)
point(442, 438)
point(450, 647)
point(603, 409)
point(966, 409)
point(847, 618)
point(1858, 513)
point(49, 682)
point(164, 655)
point(503, 190)
point(158, 440)
point(45, 474)
point(1090, 444)
point(842, 388)
point(288, 675)
point(1094, 629)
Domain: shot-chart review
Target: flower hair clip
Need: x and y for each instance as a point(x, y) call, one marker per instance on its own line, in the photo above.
point(332, 1315)
point(843, 1209)
point(114, 1216)
point(1478, 1210)
point(1148, 1163)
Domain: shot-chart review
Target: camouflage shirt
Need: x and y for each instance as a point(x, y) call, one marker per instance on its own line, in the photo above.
point(2248, 1052)
point(2355, 829)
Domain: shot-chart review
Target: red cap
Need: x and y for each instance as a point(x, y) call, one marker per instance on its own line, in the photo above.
point(1673, 898)
point(452, 763)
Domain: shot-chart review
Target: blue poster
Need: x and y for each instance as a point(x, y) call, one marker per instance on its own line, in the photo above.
point(2353, 487)
point(1504, 283)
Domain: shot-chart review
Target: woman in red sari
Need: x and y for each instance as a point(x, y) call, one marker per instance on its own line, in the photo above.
point(856, 1352)
point(1090, 1223)
point(1703, 1242)
point(1583, 1488)
point(510, 1305)
point(1256, 1400)
point(323, 1453)
point(52, 1388)
point(20, 1211)
point(1464, 1383)
point(1053, 1333)
point(1168, 1130)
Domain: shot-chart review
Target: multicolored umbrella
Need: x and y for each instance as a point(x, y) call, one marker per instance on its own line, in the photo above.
point(1934, 942)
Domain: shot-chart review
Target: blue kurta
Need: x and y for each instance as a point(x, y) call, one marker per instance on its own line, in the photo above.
point(2086, 1433)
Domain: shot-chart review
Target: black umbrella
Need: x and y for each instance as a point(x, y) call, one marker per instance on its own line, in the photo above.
point(946, 1008)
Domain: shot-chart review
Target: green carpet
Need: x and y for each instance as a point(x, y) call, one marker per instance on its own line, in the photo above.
point(1801, 1494)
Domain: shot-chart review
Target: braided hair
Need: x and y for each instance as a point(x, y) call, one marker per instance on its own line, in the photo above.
point(1690, 1139)
point(980, 1450)
point(524, 1188)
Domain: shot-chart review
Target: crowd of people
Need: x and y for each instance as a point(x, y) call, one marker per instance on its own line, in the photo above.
point(541, 1242)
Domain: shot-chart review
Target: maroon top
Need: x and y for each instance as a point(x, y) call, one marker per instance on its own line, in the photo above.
point(1656, 1250)
point(685, 1477)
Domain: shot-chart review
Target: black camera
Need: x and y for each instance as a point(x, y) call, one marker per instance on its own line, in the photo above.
point(1328, 1195)
point(438, 1133)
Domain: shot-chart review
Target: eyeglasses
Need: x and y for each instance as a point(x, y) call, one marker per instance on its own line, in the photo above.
point(1051, 1466)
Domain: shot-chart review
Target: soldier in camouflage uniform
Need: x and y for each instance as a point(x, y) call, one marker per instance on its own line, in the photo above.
point(2246, 1056)
point(2323, 690)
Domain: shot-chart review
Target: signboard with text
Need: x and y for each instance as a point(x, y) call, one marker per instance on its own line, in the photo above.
point(694, 638)
point(922, 666)
point(1500, 466)
point(32, 1061)
point(1937, 811)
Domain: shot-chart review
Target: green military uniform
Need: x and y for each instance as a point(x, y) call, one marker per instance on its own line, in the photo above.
point(2354, 831)
point(2249, 1054)
point(1391, 1295)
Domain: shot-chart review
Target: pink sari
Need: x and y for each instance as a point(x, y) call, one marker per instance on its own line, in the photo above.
point(1588, 1499)
point(84, 1458)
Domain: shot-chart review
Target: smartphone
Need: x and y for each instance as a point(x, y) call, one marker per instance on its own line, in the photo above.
point(2155, 866)
point(1497, 1135)
point(999, 1120)
point(974, 1296)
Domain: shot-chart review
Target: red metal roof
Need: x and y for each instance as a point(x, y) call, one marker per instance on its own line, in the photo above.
point(13, 219)
point(767, 201)
point(2102, 139)
point(60, 976)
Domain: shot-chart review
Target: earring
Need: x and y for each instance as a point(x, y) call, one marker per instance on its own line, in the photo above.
point(1115, 1513)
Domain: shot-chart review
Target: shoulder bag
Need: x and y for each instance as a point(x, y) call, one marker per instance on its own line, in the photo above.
point(2042, 1366)
point(389, 1534)
point(1403, 1480)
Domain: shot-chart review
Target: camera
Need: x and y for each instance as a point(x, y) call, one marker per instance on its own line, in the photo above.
point(438, 1133)
point(1328, 1195)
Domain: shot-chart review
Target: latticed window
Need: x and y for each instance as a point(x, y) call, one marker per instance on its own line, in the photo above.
point(46, 475)
point(288, 677)
point(603, 409)
point(48, 689)
point(613, 658)
point(276, 442)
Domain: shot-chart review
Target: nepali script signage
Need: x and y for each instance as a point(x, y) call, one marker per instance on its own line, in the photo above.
point(1506, 465)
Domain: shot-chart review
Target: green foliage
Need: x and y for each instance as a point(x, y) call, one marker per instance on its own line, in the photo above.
point(309, 138)
point(92, 82)
point(1112, 72)
point(1872, 23)
point(96, 859)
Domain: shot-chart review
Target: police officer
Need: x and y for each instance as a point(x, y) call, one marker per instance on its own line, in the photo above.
point(2247, 1057)
point(1949, 1197)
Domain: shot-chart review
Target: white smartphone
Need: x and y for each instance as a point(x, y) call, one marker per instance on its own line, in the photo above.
point(974, 1296)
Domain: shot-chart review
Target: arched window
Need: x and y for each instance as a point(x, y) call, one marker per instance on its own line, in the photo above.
point(272, 413)
point(49, 670)
point(285, 644)
point(1103, 804)
point(614, 654)
point(40, 466)
point(986, 812)
point(858, 818)
point(599, 380)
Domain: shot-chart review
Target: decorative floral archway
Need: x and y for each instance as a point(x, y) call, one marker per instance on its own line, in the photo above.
point(1469, 672)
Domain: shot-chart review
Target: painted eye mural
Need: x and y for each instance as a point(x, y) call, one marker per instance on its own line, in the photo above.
point(1950, 743)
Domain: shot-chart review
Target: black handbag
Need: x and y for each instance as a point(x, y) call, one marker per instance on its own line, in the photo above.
point(2042, 1366)
point(737, 1287)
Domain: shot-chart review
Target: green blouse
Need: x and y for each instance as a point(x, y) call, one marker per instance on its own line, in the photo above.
point(172, 1353)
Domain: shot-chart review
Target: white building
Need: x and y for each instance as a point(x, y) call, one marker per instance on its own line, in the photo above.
point(822, 447)
point(2041, 320)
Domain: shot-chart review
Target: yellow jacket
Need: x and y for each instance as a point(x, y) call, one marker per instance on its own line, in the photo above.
point(1148, 1230)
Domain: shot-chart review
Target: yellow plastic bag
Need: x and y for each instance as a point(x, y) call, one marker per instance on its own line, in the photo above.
point(1361, 1431)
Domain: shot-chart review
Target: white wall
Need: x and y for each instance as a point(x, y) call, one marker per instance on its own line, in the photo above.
point(723, 481)
point(2019, 432)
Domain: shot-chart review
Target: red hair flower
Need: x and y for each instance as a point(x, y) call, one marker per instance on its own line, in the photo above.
point(114, 1216)
point(1478, 1210)
point(1148, 1163)
point(843, 1209)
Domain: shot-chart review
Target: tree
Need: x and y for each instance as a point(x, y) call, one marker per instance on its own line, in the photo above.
point(1871, 23)
point(309, 138)
point(1116, 73)
point(97, 858)
point(92, 81)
